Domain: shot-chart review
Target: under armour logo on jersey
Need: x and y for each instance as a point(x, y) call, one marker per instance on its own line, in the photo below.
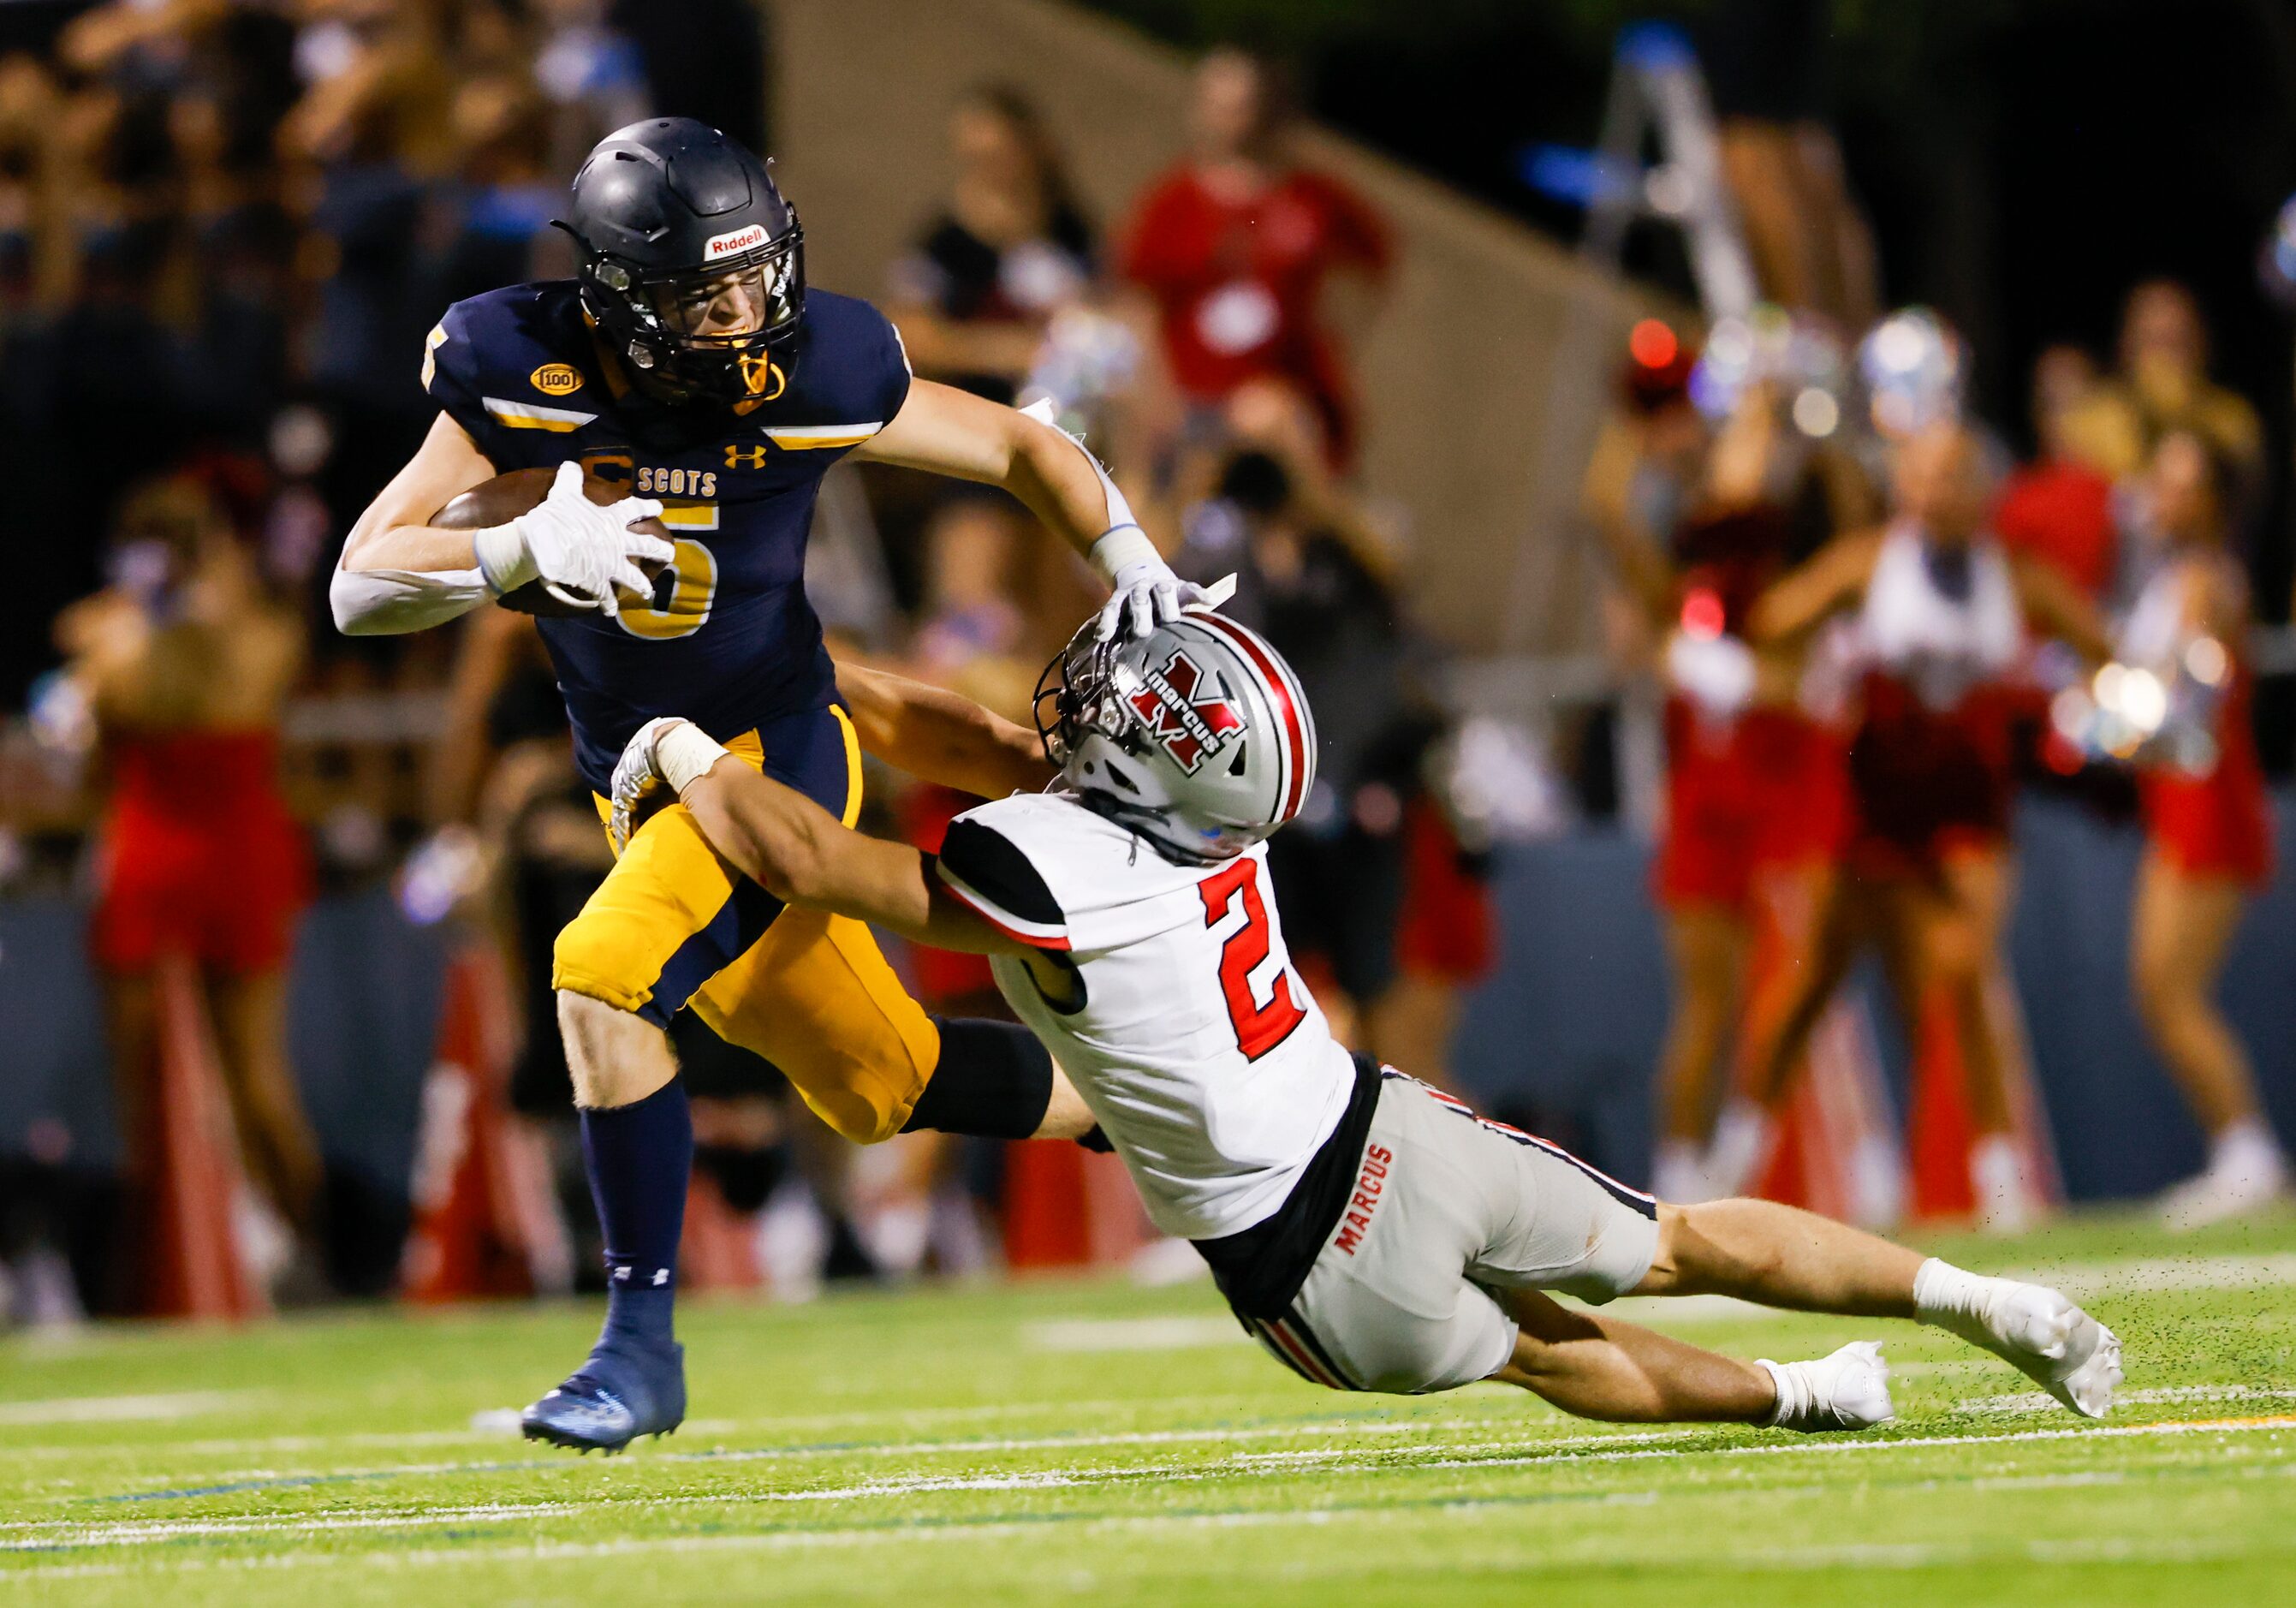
point(1190, 729)
point(745, 457)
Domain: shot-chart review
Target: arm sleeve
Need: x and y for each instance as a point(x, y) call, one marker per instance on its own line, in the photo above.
point(991, 877)
point(389, 603)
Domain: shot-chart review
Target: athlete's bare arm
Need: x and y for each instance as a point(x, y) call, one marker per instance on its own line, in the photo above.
point(398, 573)
point(2057, 608)
point(953, 432)
point(938, 736)
point(394, 533)
point(799, 853)
point(1792, 611)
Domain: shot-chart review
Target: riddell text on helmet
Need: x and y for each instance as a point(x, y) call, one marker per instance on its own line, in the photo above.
point(734, 242)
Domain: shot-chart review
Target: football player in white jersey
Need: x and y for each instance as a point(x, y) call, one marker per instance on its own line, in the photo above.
point(1373, 1233)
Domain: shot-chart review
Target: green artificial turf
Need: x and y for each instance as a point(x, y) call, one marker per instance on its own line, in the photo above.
point(1092, 1442)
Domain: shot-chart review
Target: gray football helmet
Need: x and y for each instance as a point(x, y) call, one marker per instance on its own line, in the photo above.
point(1196, 735)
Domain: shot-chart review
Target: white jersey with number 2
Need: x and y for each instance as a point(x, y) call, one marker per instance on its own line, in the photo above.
point(1207, 1062)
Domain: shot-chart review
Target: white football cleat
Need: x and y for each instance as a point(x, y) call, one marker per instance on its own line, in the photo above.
point(2061, 1348)
point(2245, 1174)
point(1743, 1136)
point(1848, 1391)
point(1997, 1176)
point(1678, 1173)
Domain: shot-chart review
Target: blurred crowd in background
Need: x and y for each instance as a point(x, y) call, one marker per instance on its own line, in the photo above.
point(226, 226)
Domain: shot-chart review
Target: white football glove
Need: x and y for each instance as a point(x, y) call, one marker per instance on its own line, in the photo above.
point(1146, 593)
point(637, 776)
point(580, 551)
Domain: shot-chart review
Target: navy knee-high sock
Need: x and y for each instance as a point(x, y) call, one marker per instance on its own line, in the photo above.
point(639, 1157)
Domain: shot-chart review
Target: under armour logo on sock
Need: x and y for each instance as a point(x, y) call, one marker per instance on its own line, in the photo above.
point(622, 1276)
point(662, 1275)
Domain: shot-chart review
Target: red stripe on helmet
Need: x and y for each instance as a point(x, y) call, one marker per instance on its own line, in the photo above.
point(1279, 687)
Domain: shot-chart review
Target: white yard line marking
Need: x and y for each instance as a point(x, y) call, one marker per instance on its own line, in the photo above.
point(1830, 1444)
point(915, 1448)
point(125, 1409)
point(891, 1419)
point(2038, 1401)
point(2084, 1280)
point(1906, 1556)
point(1605, 1449)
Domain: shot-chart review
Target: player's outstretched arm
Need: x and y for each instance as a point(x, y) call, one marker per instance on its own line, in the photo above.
point(939, 737)
point(795, 849)
point(953, 432)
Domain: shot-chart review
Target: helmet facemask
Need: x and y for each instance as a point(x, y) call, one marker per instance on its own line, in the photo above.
point(702, 334)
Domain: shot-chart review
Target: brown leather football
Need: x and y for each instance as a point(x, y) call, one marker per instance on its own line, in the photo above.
point(502, 499)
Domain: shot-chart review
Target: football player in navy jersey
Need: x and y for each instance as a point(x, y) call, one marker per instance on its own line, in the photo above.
point(689, 362)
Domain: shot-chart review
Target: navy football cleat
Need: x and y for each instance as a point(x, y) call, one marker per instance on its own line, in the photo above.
point(626, 1389)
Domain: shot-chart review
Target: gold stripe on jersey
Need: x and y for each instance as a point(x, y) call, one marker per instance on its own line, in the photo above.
point(533, 416)
point(809, 437)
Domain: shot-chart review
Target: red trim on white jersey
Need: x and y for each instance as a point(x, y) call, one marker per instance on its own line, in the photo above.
point(1038, 935)
point(1302, 1359)
point(1292, 743)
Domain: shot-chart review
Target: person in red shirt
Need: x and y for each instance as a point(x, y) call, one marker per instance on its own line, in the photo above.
point(1236, 245)
point(2059, 507)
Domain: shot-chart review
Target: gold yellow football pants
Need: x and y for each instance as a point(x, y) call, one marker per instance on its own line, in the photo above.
point(673, 924)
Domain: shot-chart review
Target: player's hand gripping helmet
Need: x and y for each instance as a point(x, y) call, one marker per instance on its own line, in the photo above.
point(691, 262)
point(1196, 735)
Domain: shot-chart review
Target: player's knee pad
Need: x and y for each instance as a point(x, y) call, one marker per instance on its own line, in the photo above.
point(994, 1080)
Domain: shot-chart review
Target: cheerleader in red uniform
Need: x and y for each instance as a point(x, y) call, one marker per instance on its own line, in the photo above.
point(186, 663)
point(1937, 613)
point(2208, 824)
point(1753, 792)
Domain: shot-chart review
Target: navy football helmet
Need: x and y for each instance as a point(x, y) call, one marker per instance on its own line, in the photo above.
point(693, 263)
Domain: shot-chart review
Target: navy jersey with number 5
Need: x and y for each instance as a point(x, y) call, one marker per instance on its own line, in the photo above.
point(728, 640)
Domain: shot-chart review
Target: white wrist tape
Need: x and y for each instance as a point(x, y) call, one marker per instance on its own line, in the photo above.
point(684, 755)
point(1122, 549)
point(502, 557)
point(1121, 517)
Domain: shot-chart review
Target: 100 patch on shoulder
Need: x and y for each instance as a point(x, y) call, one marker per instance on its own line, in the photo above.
point(556, 379)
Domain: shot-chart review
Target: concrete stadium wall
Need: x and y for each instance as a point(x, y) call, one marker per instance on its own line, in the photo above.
point(1454, 374)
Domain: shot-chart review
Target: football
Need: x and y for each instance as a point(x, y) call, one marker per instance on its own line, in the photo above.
point(502, 499)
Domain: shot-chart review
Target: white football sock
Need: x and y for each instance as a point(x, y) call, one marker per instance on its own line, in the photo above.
point(1847, 1390)
point(2054, 1342)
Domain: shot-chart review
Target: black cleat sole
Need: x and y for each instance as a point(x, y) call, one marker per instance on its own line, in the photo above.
point(575, 1443)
